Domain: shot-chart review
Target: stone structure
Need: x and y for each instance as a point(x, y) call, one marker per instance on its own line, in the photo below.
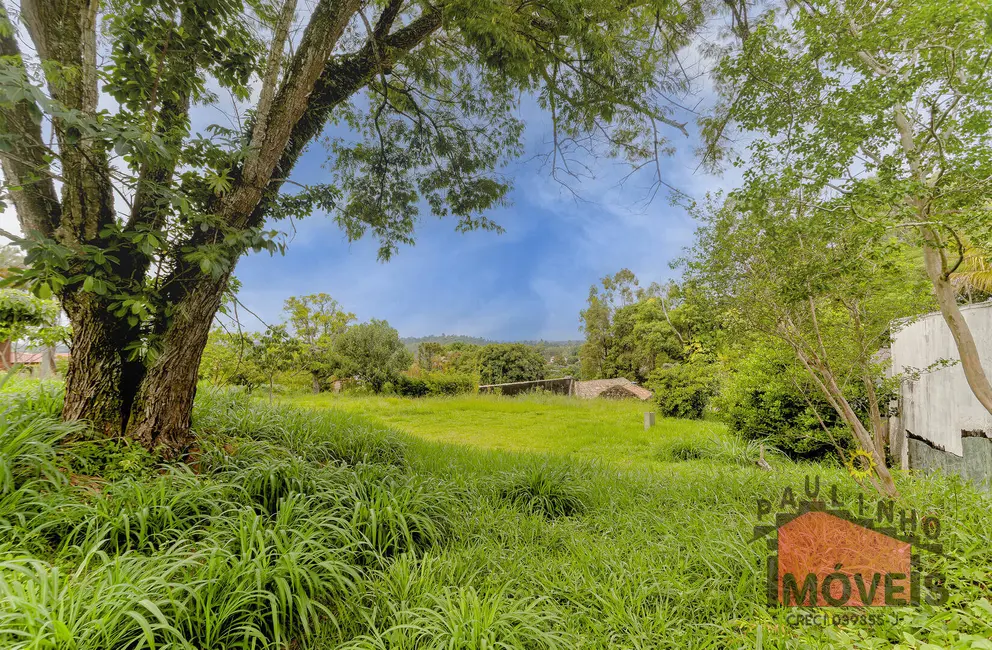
point(618, 388)
point(940, 424)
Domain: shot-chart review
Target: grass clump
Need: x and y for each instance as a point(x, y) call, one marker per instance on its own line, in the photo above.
point(726, 449)
point(394, 515)
point(544, 489)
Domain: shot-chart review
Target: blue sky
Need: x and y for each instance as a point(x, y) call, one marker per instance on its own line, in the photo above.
point(528, 283)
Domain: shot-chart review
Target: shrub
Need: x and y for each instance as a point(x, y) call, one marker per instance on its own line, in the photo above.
point(450, 383)
point(764, 400)
point(408, 386)
point(684, 390)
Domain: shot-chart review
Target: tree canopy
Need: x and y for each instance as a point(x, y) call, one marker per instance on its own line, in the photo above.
point(134, 216)
point(878, 111)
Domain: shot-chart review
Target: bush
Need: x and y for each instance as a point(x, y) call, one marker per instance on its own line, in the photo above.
point(764, 401)
point(684, 390)
point(410, 386)
point(449, 383)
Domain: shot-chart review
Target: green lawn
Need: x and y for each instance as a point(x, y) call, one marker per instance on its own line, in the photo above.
point(602, 430)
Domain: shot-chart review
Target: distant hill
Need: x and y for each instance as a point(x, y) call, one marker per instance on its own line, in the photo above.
point(412, 342)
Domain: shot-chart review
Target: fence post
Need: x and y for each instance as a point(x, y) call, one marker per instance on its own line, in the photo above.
point(648, 420)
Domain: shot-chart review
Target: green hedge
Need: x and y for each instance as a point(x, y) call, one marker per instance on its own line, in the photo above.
point(435, 383)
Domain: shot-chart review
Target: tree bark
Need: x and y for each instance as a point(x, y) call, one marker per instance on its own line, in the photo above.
point(6, 355)
point(93, 379)
point(150, 399)
point(971, 361)
point(827, 383)
point(160, 416)
point(315, 386)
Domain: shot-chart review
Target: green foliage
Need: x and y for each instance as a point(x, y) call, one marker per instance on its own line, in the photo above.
point(767, 398)
point(435, 383)
point(427, 96)
point(409, 386)
point(684, 390)
point(631, 330)
point(108, 458)
point(544, 489)
point(464, 618)
point(28, 447)
point(321, 437)
point(731, 450)
point(373, 353)
point(394, 515)
point(317, 321)
point(430, 356)
point(281, 535)
point(26, 317)
point(869, 118)
point(449, 383)
point(501, 363)
point(824, 287)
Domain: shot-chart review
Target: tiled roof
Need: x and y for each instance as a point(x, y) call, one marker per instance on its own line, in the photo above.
point(35, 357)
point(591, 389)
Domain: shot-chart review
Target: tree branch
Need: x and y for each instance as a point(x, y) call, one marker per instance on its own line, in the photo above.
point(37, 205)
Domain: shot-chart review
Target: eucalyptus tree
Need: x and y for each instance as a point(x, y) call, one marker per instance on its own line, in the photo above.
point(134, 215)
point(882, 107)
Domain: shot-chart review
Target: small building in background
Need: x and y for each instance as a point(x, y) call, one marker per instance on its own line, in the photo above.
point(41, 364)
point(940, 424)
point(618, 388)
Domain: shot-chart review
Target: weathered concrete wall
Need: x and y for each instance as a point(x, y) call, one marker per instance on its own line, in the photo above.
point(939, 405)
point(563, 386)
point(973, 466)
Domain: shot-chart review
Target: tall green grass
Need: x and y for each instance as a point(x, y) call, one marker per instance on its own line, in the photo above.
point(291, 529)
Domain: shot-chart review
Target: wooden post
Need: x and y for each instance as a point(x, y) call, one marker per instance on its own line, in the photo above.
point(761, 462)
point(648, 420)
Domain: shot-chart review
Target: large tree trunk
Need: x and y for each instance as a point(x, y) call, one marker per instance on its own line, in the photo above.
point(163, 406)
point(971, 361)
point(93, 379)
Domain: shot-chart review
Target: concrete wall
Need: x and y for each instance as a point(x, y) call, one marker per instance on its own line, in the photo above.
point(973, 466)
point(938, 406)
point(563, 386)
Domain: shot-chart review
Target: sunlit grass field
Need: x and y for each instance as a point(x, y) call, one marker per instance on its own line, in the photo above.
point(610, 431)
